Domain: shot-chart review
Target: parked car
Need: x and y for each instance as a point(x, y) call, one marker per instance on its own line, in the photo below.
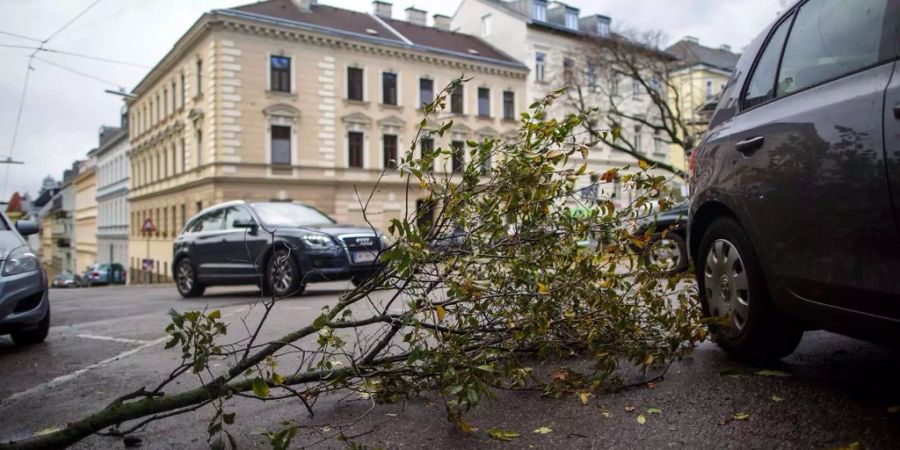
point(280, 246)
point(24, 299)
point(667, 245)
point(66, 280)
point(793, 221)
point(103, 273)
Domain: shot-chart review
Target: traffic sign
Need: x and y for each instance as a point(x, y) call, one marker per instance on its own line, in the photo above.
point(148, 226)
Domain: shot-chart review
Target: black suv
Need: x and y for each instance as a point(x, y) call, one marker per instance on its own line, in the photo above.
point(794, 220)
point(278, 245)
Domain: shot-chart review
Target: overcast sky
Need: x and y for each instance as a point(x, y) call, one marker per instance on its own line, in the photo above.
point(63, 110)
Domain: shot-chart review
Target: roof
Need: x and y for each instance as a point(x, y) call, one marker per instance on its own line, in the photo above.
point(384, 31)
point(691, 53)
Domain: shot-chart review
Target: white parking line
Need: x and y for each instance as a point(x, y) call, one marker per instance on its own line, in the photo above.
point(113, 339)
point(63, 378)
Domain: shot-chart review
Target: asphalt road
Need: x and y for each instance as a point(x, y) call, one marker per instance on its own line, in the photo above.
point(107, 341)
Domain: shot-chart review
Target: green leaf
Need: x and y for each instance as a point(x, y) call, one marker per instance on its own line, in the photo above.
point(260, 387)
point(502, 435)
point(320, 321)
point(741, 416)
point(654, 411)
point(216, 314)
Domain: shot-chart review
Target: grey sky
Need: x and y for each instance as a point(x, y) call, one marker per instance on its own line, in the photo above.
point(63, 110)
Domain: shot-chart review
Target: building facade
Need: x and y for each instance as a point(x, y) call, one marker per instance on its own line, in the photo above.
point(560, 46)
point(294, 100)
point(697, 80)
point(61, 250)
point(85, 187)
point(113, 169)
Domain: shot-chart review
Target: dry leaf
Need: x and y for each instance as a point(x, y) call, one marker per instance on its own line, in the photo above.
point(629, 408)
point(741, 416)
point(584, 396)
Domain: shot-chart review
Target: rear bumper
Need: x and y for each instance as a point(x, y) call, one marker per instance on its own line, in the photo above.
point(24, 301)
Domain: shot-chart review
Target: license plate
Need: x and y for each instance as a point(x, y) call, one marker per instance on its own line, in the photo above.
point(362, 257)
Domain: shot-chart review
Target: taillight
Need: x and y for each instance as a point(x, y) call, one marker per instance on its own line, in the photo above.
point(95, 274)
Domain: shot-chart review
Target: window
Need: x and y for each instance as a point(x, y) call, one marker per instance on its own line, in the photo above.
point(355, 149)
point(458, 155)
point(540, 11)
point(484, 102)
point(638, 144)
point(424, 214)
point(182, 89)
point(486, 25)
point(635, 88)
point(166, 102)
point(539, 64)
point(591, 75)
point(456, 100)
point(568, 70)
point(183, 156)
point(602, 28)
point(656, 83)
point(658, 144)
point(426, 91)
point(709, 89)
point(199, 147)
point(174, 96)
point(614, 83)
point(199, 76)
point(355, 84)
point(390, 151)
point(389, 88)
point(571, 19)
point(211, 221)
point(831, 39)
point(158, 109)
point(509, 105)
point(287, 214)
point(281, 144)
point(280, 73)
point(762, 82)
point(236, 214)
point(426, 148)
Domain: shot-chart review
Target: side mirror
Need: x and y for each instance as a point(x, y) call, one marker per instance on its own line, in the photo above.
point(243, 223)
point(27, 227)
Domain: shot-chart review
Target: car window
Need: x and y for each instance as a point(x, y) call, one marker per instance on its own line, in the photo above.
point(830, 39)
point(236, 213)
point(762, 81)
point(211, 221)
point(290, 214)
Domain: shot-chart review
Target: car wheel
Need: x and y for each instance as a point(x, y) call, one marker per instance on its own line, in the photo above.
point(733, 291)
point(283, 275)
point(668, 253)
point(186, 279)
point(34, 336)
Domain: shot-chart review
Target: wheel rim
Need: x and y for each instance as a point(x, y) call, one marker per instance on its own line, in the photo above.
point(727, 286)
point(281, 273)
point(665, 254)
point(185, 278)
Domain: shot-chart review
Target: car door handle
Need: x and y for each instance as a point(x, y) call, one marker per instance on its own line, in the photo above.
point(750, 145)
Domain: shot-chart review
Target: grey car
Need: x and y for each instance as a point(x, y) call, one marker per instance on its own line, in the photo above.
point(794, 221)
point(24, 301)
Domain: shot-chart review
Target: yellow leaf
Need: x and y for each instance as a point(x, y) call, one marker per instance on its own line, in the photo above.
point(648, 360)
point(773, 373)
point(441, 312)
point(643, 165)
point(542, 288)
point(584, 396)
point(741, 416)
point(216, 314)
point(46, 431)
point(465, 427)
point(542, 430)
point(654, 411)
point(616, 133)
point(554, 154)
point(776, 398)
point(641, 419)
point(606, 414)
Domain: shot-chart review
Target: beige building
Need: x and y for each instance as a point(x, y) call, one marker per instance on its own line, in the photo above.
point(85, 185)
point(699, 76)
point(287, 99)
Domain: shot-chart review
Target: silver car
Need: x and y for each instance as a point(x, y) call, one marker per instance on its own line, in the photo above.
point(24, 302)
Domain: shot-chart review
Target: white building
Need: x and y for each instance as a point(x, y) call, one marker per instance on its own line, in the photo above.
point(112, 195)
point(556, 42)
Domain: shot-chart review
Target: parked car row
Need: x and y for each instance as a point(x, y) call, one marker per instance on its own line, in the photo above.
point(95, 275)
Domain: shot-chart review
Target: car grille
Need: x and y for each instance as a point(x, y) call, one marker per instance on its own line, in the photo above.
point(362, 242)
point(29, 303)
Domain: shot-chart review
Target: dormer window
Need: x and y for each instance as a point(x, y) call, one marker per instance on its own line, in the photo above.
point(540, 10)
point(602, 28)
point(571, 19)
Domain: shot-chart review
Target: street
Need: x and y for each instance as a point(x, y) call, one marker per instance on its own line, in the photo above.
point(107, 341)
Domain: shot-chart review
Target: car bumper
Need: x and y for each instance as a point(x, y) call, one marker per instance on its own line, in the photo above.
point(334, 266)
point(24, 301)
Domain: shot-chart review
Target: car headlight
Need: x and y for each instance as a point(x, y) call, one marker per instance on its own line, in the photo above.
point(317, 241)
point(20, 260)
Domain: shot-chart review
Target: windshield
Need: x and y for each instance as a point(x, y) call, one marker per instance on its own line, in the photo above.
point(290, 215)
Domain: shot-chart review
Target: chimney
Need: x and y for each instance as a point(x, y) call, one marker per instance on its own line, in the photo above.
point(691, 39)
point(381, 9)
point(416, 16)
point(304, 5)
point(725, 47)
point(441, 22)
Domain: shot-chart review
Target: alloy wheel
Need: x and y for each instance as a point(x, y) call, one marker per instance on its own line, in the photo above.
point(185, 276)
point(727, 286)
point(281, 273)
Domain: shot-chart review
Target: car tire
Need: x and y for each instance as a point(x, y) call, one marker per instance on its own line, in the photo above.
point(283, 275)
point(33, 336)
point(669, 252)
point(733, 289)
point(186, 279)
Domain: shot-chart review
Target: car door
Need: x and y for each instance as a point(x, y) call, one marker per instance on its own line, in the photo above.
point(206, 240)
point(809, 155)
point(242, 247)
